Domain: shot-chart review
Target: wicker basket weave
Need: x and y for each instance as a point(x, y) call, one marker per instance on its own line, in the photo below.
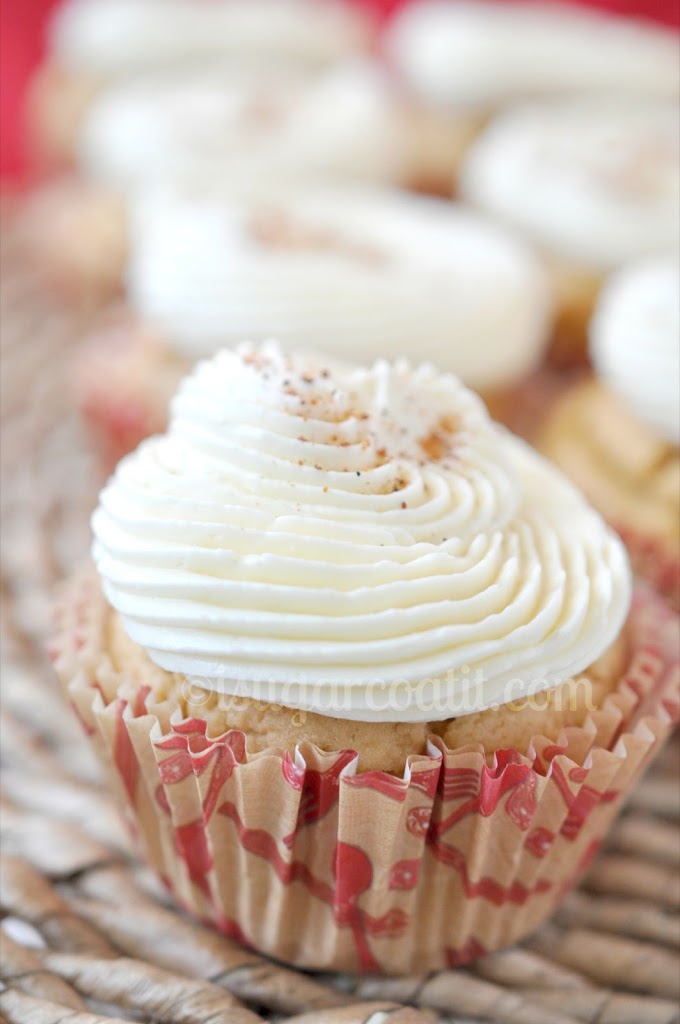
point(89, 937)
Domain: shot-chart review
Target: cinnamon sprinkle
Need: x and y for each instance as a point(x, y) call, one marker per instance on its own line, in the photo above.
point(437, 444)
point(279, 230)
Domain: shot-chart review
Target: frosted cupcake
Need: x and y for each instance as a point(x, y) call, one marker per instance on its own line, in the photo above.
point(473, 59)
point(93, 43)
point(358, 272)
point(481, 56)
point(234, 125)
point(618, 434)
point(360, 651)
point(594, 185)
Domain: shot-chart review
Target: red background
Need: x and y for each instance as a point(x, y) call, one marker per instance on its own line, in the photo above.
point(21, 36)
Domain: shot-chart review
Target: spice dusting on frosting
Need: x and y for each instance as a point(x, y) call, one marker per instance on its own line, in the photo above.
point(281, 230)
point(438, 442)
point(424, 435)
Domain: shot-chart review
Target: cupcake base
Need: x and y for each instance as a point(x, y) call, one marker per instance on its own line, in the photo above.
point(57, 101)
point(438, 142)
point(627, 472)
point(76, 233)
point(309, 861)
point(576, 290)
point(524, 406)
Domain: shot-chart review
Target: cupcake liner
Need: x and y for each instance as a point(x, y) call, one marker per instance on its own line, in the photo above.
point(304, 859)
point(654, 561)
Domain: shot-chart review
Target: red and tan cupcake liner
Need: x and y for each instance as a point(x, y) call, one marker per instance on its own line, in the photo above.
point(654, 561)
point(305, 859)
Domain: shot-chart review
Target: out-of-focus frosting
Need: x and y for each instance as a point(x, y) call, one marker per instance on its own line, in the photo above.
point(358, 273)
point(635, 342)
point(480, 55)
point(594, 183)
point(364, 543)
point(114, 38)
point(247, 124)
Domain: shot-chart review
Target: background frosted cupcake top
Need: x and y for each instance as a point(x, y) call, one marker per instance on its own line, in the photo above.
point(595, 183)
point(114, 38)
point(357, 272)
point(483, 55)
point(635, 342)
point(246, 123)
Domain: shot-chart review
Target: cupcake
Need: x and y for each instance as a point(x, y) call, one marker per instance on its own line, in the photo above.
point(233, 125)
point(363, 668)
point(618, 433)
point(76, 234)
point(357, 272)
point(473, 58)
point(594, 184)
point(94, 43)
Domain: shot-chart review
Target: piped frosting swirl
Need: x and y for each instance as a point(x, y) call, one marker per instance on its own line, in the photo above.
point(360, 542)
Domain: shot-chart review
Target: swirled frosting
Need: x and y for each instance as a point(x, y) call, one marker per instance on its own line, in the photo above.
point(594, 183)
point(480, 55)
point(364, 543)
point(635, 342)
point(114, 38)
point(248, 124)
point(357, 273)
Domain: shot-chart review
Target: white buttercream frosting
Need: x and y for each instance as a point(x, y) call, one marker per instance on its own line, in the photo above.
point(359, 273)
point(114, 38)
point(246, 124)
point(635, 342)
point(594, 183)
point(481, 55)
point(361, 542)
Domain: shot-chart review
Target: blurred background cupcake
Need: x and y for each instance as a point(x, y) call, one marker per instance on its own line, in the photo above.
point(473, 59)
point(360, 273)
point(617, 434)
point(266, 89)
point(94, 43)
point(594, 184)
point(235, 124)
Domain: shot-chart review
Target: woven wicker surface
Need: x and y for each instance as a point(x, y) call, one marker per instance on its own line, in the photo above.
point(88, 935)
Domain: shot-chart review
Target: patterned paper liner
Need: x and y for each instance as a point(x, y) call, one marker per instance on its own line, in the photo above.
point(310, 862)
point(654, 561)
